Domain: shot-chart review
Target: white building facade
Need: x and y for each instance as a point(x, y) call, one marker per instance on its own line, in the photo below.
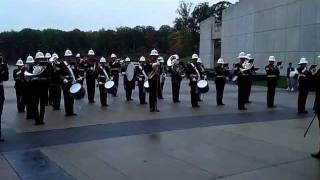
point(286, 29)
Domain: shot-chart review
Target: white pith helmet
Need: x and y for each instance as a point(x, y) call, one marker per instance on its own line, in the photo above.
point(39, 55)
point(55, 55)
point(91, 52)
point(78, 55)
point(19, 62)
point(154, 52)
point(195, 56)
point(127, 59)
point(272, 59)
point(249, 57)
point(303, 61)
point(103, 60)
point(199, 60)
point(29, 60)
point(142, 59)
point(113, 55)
point(48, 55)
point(68, 53)
point(220, 61)
point(242, 55)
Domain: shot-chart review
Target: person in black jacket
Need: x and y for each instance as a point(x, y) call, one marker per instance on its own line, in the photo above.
point(177, 71)
point(141, 78)
point(273, 74)
point(4, 76)
point(29, 89)
point(91, 75)
point(152, 69)
point(242, 80)
point(115, 68)
point(304, 85)
point(103, 76)
point(316, 107)
point(193, 73)
point(18, 76)
point(55, 84)
point(128, 84)
point(222, 74)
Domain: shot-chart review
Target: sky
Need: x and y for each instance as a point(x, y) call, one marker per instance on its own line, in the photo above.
point(87, 14)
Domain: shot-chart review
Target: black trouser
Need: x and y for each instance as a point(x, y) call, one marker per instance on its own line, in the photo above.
point(50, 99)
point(272, 84)
point(248, 88)
point(302, 98)
point(176, 83)
point(41, 98)
point(153, 86)
point(242, 87)
point(68, 100)
point(160, 89)
point(220, 83)
point(103, 95)
point(91, 87)
point(1, 104)
point(142, 93)
point(56, 96)
point(30, 100)
point(194, 94)
point(116, 83)
point(20, 97)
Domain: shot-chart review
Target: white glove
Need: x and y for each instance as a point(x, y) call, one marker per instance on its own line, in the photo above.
point(65, 81)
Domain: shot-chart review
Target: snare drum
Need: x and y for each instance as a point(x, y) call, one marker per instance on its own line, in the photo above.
point(146, 86)
point(110, 87)
point(77, 91)
point(203, 86)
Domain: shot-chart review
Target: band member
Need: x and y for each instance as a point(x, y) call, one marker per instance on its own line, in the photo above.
point(193, 73)
point(177, 71)
point(162, 77)
point(103, 75)
point(29, 89)
point(273, 74)
point(152, 69)
point(251, 72)
point(40, 78)
point(67, 81)
point(18, 76)
point(115, 68)
point(47, 57)
point(4, 76)
point(81, 66)
point(316, 107)
point(141, 78)
point(222, 73)
point(128, 85)
point(202, 71)
point(304, 84)
point(90, 68)
point(242, 80)
point(55, 84)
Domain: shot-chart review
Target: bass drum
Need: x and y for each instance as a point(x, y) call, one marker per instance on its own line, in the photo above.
point(77, 91)
point(110, 87)
point(130, 72)
point(203, 86)
point(146, 86)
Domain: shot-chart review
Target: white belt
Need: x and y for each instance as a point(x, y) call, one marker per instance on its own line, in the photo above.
point(272, 76)
point(221, 76)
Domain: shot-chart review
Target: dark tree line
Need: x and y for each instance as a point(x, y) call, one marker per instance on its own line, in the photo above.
point(183, 38)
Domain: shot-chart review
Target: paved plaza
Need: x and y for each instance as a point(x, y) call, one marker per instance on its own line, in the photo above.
point(125, 141)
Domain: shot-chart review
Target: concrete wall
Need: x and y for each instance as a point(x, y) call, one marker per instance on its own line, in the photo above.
point(287, 29)
point(208, 32)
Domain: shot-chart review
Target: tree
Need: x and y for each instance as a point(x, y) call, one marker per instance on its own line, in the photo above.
point(218, 8)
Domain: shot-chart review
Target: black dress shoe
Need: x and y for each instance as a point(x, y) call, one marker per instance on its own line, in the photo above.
point(248, 102)
point(91, 102)
point(272, 106)
point(105, 105)
point(196, 106)
point(152, 110)
point(221, 104)
point(72, 114)
point(303, 112)
point(39, 123)
point(242, 109)
point(157, 110)
point(144, 103)
point(316, 156)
